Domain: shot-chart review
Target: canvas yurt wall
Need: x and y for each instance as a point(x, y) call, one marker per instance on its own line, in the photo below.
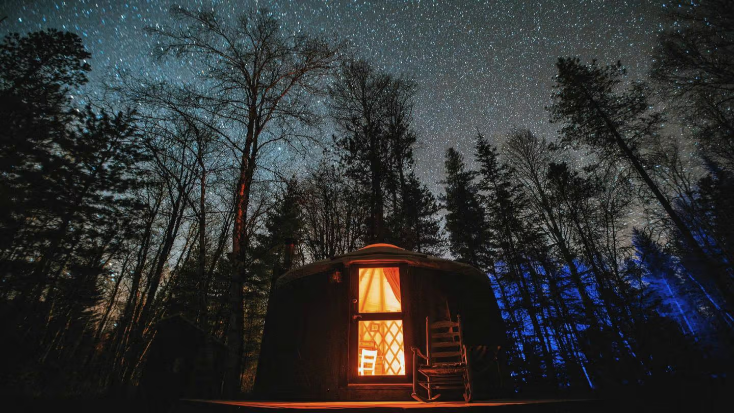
point(327, 317)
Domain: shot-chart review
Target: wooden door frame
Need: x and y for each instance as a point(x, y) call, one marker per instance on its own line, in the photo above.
point(353, 329)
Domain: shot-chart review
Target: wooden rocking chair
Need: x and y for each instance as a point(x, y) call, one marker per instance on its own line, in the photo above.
point(445, 366)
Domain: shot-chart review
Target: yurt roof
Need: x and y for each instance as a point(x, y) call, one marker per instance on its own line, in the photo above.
point(377, 254)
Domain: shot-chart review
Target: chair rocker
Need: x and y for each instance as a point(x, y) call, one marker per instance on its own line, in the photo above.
point(445, 366)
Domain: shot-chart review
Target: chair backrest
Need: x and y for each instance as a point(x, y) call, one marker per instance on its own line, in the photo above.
point(369, 360)
point(444, 341)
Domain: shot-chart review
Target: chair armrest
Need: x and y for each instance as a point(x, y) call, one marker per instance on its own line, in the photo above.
point(418, 353)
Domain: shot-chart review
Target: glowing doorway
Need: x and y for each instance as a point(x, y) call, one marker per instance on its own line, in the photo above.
point(380, 328)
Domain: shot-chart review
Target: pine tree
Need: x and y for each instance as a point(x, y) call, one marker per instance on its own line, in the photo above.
point(258, 77)
point(37, 73)
point(511, 241)
point(71, 171)
point(716, 205)
point(466, 223)
point(70, 177)
point(373, 111)
point(283, 223)
point(414, 224)
point(693, 64)
point(334, 219)
point(613, 124)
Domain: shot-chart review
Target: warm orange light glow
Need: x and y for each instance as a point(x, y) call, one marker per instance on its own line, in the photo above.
point(385, 337)
point(549, 404)
point(379, 290)
point(367, 361)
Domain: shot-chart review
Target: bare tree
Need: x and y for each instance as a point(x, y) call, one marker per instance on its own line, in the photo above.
point(259, 81)
point(616, 123)
point(694, 62)
point(373, 111)
point(333, 222)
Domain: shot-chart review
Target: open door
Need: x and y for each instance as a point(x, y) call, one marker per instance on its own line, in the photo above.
point(377, 342)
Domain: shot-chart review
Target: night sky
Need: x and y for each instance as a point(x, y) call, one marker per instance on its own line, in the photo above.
point(484, 66)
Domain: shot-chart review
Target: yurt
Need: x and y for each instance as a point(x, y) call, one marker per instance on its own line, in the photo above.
point(325, 317)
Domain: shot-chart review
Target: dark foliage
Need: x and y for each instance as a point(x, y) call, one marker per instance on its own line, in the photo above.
point(373, 111)
point(112, 221)
point(694, 62)
point(465, 219)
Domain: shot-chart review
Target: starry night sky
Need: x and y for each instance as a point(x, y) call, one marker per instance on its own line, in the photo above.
point(484, 66)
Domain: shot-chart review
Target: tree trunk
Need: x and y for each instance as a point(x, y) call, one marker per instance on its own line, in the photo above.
point(557, 234)
point(377, 202)
point(203, 285)
point(235, 329)
point(143, 320)
point(722, 280)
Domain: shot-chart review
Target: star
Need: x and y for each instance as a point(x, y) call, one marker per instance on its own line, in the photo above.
point(480, 66)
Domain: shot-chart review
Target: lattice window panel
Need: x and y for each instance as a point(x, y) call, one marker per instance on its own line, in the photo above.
point(388, 340)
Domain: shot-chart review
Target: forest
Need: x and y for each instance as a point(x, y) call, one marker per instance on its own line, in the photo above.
point(609, 246)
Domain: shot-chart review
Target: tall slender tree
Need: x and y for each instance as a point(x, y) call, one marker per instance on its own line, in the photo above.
point(694, 65)
point(613, 123)
point(333, 221)
point(37, 73)
point(414, 223)
point(259, 82)
point(504, 204)
point(466, 223)
point(372, 110)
